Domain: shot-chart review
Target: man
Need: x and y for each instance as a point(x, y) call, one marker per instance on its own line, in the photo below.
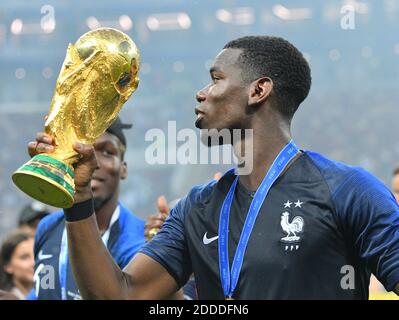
point(395, 183)
point(121, 232)
point(31, 215)
point(321, 230)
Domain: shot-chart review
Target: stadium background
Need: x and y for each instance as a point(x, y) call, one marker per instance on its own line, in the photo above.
point(350, 115)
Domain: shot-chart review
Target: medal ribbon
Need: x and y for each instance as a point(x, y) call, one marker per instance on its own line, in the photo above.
point(229, 281)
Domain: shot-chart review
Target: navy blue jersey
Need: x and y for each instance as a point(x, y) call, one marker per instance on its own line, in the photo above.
point(323, 228)
point(126, 237)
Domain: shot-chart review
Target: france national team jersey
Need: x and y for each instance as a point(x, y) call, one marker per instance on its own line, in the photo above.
point(125, 238)
point(323, 228)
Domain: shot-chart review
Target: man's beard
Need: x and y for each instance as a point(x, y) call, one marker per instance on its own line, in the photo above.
point(98, 203)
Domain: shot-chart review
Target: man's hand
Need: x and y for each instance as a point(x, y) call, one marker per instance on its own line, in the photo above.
point(155, 221)
point(83, 169)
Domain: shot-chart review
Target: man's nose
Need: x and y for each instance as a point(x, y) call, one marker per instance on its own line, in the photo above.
point(201, 95)
point(98, 157)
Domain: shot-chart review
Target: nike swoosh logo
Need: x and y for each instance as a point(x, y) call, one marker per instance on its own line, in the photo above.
point(42, 256)
point(207, 240)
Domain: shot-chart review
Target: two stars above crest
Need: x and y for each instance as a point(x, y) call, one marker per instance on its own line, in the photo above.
point(297, 204)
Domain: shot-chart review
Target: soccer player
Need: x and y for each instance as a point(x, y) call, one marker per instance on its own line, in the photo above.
point(298, 226)
point(121, 232)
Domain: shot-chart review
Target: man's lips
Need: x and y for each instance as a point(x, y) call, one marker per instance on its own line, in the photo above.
point(198, 111)
point(200, 114)
point(96, 182)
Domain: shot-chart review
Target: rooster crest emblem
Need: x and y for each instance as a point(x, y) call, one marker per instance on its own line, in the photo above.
point(291, 228)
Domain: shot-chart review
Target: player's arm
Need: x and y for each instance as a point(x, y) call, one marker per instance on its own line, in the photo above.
point(96, 273)
point(369, 216)
point(99, 277)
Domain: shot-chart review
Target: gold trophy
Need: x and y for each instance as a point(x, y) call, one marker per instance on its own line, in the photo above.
point(99, 74)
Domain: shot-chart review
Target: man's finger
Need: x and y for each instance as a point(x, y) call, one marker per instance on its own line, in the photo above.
point(152, 220)
point(161, 216)
point(158, 224)
point(85, 150)
point(154, 224)
point(162, 205)
point(32, 148)
point(217, 176)
point(44, 137)
point(44, 148)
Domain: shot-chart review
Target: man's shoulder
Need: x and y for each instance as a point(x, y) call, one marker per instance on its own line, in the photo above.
point(129, 221)
point(49, 222)
point(326, 165)
point(198, 196)
point(48, 230)
point(340, 176)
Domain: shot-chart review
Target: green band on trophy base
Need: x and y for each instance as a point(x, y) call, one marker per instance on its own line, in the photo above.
point(46, 179)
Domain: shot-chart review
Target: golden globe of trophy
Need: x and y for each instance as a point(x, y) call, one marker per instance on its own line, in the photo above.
point(99, 74)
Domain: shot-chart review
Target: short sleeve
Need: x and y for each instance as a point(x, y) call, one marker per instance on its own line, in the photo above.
point(169, 246)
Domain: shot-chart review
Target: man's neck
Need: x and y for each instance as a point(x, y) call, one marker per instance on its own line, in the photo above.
point(105, 212)
point(267, 142)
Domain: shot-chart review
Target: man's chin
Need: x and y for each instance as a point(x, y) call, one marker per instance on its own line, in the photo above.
point(98, 202)
point(198, 124)
point(204, 122)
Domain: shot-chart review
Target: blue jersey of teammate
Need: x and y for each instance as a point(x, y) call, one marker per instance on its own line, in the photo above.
point(123, 239)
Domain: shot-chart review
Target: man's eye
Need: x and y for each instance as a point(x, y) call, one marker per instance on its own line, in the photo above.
point(215, 79)
point(107, 153)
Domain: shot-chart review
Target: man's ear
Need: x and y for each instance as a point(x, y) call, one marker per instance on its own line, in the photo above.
point(260, 90)
point(123, 170)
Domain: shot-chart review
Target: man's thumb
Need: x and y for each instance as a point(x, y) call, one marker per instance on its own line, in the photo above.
point(217, 176)
point(162, 205)
point(85, 150)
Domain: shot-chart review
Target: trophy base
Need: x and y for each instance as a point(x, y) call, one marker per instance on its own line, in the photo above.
point(47, 180)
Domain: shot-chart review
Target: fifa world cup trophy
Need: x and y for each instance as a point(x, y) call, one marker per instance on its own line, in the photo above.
point(99, 74)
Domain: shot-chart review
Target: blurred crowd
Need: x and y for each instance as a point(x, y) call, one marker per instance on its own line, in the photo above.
point(16, 253)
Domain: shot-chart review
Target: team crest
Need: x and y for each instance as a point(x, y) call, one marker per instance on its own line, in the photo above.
point(292, 228)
